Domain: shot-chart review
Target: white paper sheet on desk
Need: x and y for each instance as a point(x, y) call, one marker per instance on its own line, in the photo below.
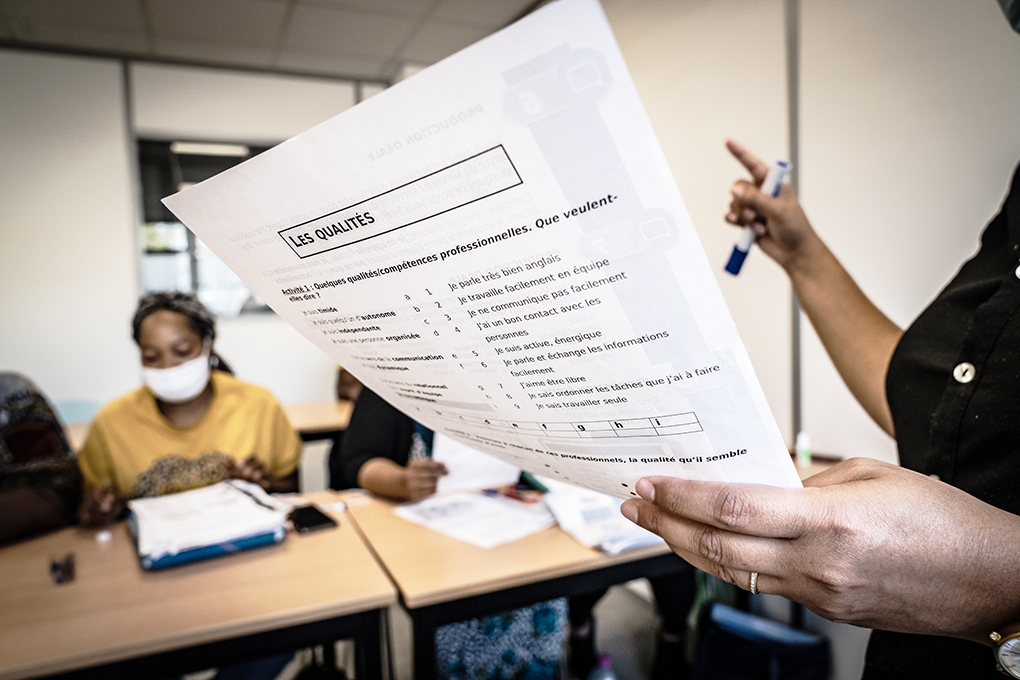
point(481, 520)
point(469, 469)
point(593, 519)
point(497, 247)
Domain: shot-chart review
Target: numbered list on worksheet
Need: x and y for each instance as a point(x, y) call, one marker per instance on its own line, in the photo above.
point(497, 247)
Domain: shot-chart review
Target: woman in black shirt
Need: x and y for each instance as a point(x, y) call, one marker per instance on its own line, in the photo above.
point(927, 553)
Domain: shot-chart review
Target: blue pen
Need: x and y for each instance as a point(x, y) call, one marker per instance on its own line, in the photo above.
point(770, 187)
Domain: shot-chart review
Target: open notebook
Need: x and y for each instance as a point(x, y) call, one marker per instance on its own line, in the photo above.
point(202, 523)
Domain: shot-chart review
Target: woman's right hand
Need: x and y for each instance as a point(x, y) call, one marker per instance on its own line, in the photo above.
point(421, 476)
point(100, 505)
point(782, 229)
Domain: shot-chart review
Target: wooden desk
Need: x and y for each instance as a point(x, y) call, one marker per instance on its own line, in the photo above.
point(116, 620)
point(442, 580)
point(312, 420)
point(320, 419)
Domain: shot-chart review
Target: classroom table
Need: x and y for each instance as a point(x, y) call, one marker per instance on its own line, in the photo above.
point(320, 419)
point(442, 580)
point(115, 620)
point(313, 421)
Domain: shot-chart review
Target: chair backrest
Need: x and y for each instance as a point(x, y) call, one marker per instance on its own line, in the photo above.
point(29, 427)
point(34, 454)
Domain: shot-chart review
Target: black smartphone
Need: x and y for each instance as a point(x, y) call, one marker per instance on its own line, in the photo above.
point(309, 518)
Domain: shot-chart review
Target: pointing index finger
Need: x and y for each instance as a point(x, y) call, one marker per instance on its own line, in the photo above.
point(754, 165)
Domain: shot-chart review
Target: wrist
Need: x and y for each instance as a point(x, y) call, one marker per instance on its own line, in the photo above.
point(1002, 632)
point(1006, 651)
point(809, 262)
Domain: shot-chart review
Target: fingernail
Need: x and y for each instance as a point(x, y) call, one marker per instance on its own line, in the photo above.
point(737, 191)
point(629, 510)
point(731, 218)
point(646, 490)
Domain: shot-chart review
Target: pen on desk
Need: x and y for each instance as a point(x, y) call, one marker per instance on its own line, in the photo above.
point(63, 571)
point(770, 187)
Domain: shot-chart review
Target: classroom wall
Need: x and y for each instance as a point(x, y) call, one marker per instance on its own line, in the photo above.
point(68, 271)
point(688, 61)
point(180, 102)
point(69, 260)
point(908, 139)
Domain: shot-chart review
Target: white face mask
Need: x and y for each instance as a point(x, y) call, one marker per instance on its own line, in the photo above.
point(180, 383)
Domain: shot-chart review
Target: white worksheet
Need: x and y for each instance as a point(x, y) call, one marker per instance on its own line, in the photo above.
point(498, 248)
point(468, 469)
point(482, 520)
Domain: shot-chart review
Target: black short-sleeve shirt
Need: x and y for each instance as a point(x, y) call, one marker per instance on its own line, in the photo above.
point(954, 391)
point(376, 430)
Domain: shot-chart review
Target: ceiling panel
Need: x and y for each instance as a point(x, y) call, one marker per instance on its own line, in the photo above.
point(118, 15)
point(215, 53)
point(415, 9)
point(490, 14)
point(354, 38)
point(349, 32)
point(434, 41)
point(238, 22)
point(331, 64)
point(83, 37)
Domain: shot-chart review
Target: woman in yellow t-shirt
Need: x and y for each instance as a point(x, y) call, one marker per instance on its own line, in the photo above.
point(189, 426)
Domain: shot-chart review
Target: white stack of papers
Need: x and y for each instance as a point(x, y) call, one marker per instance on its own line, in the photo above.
point(594, 519)
point(479, 519)
point(206, 522)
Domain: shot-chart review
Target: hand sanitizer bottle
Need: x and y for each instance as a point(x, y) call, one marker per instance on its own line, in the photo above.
point(803, 447)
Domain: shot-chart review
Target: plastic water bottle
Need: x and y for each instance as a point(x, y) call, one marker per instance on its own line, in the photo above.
point(604, 671)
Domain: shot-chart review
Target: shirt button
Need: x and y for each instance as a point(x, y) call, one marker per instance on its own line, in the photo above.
point(964, 372)
point(936, 478)
point(1017, 272)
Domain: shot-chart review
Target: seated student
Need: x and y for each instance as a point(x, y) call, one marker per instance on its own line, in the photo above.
point(189, 426)
point(383, 451)
point(375, 453)
point(347, 386)
point(378, 454)
point(39, 480)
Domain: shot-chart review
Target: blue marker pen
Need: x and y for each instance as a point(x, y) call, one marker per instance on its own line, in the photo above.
point(770, 187)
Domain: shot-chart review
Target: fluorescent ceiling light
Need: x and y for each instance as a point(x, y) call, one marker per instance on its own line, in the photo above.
point(204, 149)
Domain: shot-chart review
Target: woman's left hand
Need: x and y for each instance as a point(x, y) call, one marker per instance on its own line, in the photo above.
point(864, 542)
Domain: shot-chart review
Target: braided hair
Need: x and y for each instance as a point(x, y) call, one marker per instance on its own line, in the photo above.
point(200, 319)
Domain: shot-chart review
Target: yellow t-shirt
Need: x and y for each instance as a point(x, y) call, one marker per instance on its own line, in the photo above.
point(130, 435)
